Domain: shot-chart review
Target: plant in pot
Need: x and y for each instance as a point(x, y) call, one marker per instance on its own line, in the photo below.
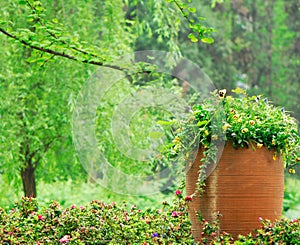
point(236, 147)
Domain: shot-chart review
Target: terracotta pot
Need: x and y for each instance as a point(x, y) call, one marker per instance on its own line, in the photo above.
point(245, 185)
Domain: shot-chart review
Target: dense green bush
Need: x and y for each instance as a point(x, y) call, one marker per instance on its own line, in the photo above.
point(100, 223)
point(97, 223)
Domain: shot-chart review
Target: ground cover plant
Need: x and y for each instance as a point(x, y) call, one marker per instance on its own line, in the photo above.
point(101, 223)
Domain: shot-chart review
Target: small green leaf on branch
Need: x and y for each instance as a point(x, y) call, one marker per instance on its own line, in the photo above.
point(192, 37)
point(192, 10)
point(207, 40)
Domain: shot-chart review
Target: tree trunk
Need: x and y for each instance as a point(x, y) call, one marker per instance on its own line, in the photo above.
point(28, 180)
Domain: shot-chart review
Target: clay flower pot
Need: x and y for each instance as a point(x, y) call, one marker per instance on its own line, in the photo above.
point(248, 181)
point(245, 185)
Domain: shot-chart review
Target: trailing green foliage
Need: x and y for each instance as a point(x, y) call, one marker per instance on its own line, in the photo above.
point(243, 121)
point(198, 30)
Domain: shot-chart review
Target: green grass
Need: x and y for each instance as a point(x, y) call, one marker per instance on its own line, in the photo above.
point(69, 192)
point(292, 197)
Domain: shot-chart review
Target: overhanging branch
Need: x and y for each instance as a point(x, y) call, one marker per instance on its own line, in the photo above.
point(62, 54)
point(34, 11)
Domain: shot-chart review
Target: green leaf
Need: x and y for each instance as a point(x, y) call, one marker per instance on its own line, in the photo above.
point(207, 40)
point(192, 37)
point(192, 10)
point(166, 122)
point(238, 90)
point(156, 135)
point(201, 123)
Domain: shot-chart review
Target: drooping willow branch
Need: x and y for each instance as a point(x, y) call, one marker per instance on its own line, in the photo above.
point(61, 54)
point(91, 58)
point(39, 19)
point(199, 31)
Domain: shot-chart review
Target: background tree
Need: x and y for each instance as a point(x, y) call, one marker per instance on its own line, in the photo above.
point(38, 93)
point(255, 47)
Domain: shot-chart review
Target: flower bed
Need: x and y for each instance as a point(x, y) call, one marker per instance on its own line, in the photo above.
point(100, 223)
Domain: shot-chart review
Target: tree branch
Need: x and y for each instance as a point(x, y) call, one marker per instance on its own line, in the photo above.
point(46, 148)
point(185, 15)
point(56, 53)
point(53, 34)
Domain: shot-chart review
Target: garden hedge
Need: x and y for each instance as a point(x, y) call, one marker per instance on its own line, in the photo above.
point(101, 223)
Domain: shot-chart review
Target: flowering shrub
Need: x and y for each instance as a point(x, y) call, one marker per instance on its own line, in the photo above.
point(100, 223)
point(97, 223)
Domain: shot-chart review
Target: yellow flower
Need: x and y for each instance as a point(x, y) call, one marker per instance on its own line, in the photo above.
point(232, 111)
point(259, 145)
point(240, 120)
point(226, 126)
point(251, 122)
point(176, 140)
point(245, 130)
point(177, 147)
point(179, 130)
point(292, 171)
point(222, 93)
point(206, 132)
point(274, 157)
point(273, 142)
point(214, 137)
point(235, 116)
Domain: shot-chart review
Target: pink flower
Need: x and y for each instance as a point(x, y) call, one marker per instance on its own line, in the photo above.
point(65, 239)
point(40, 217)
point(260, 219)
point(188, 199)
point(178, 192)
point(10, 233)
point(174, 214)
point(294, 220)
point(82, 207)
point(73, 206)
